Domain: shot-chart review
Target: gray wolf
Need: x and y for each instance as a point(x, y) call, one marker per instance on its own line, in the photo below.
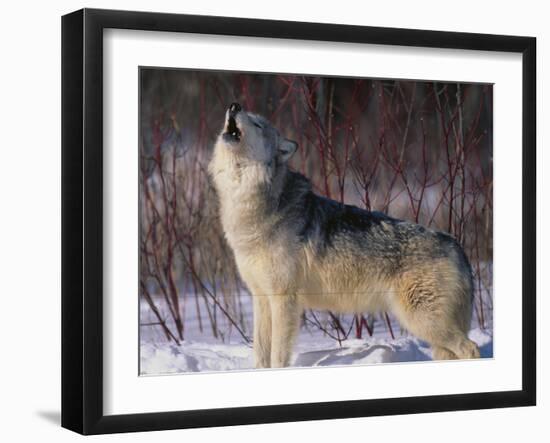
point(296, 250)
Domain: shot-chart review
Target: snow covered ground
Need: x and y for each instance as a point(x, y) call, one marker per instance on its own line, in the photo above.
point(202, 352)
point(191, 356)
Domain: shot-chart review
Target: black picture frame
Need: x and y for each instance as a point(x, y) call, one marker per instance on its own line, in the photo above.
point(82, 219)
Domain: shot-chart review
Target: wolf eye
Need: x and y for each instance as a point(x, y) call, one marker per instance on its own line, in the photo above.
point(257, 125)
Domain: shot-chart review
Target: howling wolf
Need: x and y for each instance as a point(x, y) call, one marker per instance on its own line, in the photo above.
point(295, 250)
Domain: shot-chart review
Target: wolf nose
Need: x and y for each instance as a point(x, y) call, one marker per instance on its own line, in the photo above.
point(234, 108)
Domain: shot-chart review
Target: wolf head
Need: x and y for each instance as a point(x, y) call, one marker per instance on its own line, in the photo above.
point(249, 148)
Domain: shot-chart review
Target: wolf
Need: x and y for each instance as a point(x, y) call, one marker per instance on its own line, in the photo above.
point(296, 250)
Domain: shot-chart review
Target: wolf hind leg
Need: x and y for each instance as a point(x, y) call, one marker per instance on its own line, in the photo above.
point(434, 303)
point(447, 340)
point(442, 331)
point(465, 348)
point(285, 321)
point(440, 353)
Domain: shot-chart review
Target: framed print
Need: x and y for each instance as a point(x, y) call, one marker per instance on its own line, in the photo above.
point(270, 221)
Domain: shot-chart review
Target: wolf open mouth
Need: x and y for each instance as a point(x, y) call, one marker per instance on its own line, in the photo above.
point(233, 133)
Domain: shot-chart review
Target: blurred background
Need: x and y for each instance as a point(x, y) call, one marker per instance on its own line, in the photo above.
point(416, 150)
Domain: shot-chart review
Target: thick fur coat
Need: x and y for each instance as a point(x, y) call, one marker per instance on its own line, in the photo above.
point(295, 250)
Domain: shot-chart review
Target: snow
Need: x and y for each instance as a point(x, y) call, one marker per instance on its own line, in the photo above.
point(191, 356)
point(202, 352)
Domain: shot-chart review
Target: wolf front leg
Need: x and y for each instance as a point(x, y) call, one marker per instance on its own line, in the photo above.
point(262, 331)
point(285, 320)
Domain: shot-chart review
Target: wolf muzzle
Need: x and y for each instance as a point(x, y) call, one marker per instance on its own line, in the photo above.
point(234, 108)
point(232, 132)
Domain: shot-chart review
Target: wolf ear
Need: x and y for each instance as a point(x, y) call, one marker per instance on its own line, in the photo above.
point(286, 149)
